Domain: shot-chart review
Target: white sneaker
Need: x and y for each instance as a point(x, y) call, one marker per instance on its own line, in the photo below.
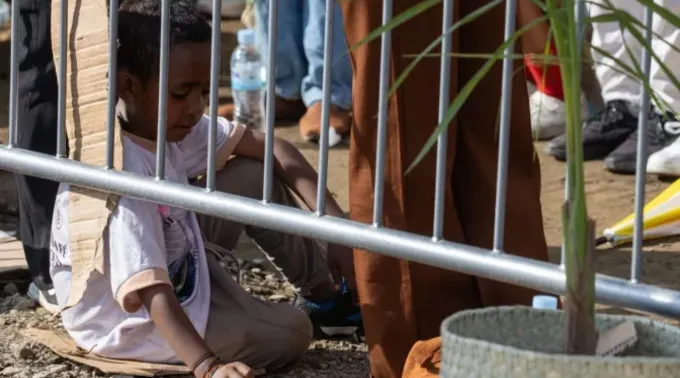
point(46, 299)
point(666, 162)
point(230, 8)
point(548, 118)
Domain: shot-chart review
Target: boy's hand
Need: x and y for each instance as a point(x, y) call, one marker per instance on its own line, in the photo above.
point(341, 265)
point(233, 370)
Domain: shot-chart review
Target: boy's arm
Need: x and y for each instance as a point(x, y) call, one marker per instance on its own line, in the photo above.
point(176, 328)
point(290, 166)
point(300, 176)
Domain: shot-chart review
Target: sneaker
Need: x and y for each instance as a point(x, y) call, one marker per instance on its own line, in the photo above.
point(666, 162)
point(46, 299)
point(623, 159)
point(548, 118)
point(338, 316)
point(602, 133)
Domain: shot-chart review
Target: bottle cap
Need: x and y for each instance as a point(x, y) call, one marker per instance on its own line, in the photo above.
point(246, 36)
point(546, 302)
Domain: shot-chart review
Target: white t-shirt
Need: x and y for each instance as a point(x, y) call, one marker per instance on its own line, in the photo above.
point(145, 244)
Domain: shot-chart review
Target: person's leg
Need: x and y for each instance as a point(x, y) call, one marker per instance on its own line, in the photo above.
point(301, 260)
point(291, 64)
point(401, 301)
point(36, 131)
point(341, 76)
point(667, 161)
point(474, 171)
point(263, 335)
point(604, 133)
point(668, 36)
point(624, 158)
point(609, 37)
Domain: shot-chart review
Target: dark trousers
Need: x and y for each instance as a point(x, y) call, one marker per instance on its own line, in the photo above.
point(36, 131)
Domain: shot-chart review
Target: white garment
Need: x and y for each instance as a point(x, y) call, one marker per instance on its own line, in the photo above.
point(608, 36)
point(145, 244)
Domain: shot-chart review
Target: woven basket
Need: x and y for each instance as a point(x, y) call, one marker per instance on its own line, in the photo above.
point(522, 342)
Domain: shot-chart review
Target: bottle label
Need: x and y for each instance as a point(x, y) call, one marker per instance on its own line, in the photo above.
point(246, 76)
point(246, 83)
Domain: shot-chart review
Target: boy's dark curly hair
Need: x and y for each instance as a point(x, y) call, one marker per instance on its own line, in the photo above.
point(139, 29)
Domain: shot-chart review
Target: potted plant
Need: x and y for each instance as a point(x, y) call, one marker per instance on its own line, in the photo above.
point(522, 341)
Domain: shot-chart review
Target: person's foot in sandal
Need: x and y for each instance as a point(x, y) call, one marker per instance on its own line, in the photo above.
point(310, 124)
point(286, 110)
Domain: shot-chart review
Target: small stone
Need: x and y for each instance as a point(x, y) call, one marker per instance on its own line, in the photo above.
point(269, 277)
point(50, 371)
point(22, 351)
point(41, 311)
point(10, 371)
point(256, 270)
point(11, 289)
point(277, 297)
point(257, 289)
point(323, 366)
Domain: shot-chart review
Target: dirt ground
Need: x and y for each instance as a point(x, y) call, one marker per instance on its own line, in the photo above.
point(610, 198)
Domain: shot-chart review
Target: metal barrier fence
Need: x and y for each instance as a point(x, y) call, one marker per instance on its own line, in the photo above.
point(492, 264)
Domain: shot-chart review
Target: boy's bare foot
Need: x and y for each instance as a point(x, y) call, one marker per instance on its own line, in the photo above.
point(286, 110)
point(310, 124)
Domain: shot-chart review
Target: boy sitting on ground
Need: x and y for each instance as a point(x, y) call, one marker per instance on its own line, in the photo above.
point(163, 298)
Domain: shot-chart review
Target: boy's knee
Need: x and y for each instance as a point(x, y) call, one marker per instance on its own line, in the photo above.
point(301, 331)
point(295, 339)
point(241, 176)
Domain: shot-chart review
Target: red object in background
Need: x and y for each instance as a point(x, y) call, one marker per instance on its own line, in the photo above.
point(548, 82)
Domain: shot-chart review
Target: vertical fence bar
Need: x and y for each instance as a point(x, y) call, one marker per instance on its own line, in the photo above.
point(112, 95)
point(271, 110)
point(215, 55)
point(580, 35)
point(325, 108)
point(163, 90)
point(641, 163)
point(504, 137)
point(13, 74)
point(442, 140)
point(61, 100)
point(385, 50)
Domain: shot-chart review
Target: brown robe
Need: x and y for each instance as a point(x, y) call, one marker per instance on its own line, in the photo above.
point(403, 302)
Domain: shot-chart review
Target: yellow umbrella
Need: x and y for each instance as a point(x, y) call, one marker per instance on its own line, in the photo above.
point(661, 219)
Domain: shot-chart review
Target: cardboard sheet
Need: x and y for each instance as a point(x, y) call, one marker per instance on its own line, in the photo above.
point(86, 109)
point(61, 344)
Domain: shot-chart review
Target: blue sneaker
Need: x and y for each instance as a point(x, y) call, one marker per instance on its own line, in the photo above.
point(337, 316)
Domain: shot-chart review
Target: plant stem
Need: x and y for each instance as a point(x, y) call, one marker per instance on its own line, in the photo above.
point(580, 334)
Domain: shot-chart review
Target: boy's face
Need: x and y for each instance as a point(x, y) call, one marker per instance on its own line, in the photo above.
point(188, 92)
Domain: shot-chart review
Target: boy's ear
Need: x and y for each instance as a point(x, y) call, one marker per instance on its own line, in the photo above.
point(128, 86)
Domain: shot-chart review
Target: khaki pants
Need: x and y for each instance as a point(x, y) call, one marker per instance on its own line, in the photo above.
point(261, 334)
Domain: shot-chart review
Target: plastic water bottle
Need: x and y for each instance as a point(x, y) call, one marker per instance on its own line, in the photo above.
point(247, 81)
point(546, 302)
point(4, 15)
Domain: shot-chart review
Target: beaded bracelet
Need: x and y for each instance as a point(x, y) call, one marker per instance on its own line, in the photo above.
point(214, 367)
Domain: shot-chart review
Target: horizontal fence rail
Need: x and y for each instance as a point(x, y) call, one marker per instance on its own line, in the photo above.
point(487, 263)
point(459, 257)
